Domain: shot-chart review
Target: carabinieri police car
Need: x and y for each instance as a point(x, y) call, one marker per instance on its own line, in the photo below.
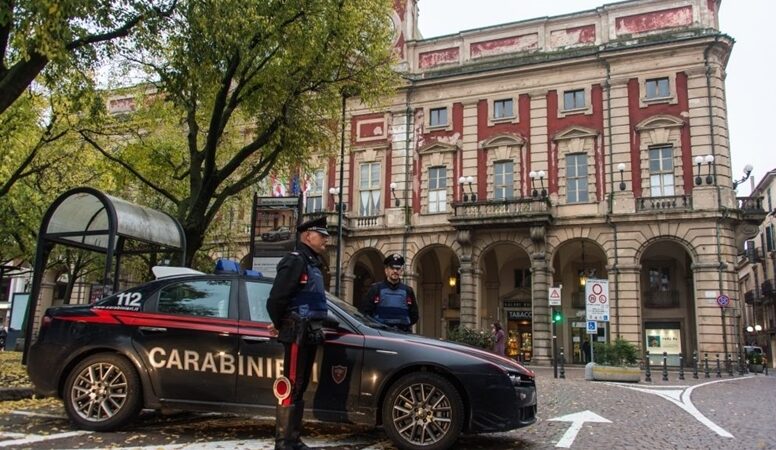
point(193, 341)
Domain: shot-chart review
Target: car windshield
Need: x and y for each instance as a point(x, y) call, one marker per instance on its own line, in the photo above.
point(358, 315)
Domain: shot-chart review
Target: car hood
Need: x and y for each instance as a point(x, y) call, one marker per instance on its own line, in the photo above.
point(501, 361)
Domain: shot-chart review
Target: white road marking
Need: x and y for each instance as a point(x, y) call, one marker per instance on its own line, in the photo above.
point(576, 419)
point(34, 414)
point(681, 398)
point(32, 438)
point(253, 444)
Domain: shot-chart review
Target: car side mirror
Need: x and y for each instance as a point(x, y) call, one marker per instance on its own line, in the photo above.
point(330, 322)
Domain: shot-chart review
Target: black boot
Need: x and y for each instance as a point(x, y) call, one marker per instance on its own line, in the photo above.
point(296, 426)
point(288, 426)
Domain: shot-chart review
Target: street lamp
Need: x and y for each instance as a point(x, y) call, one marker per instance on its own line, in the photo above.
point(471, 196)
point(334, 192)
point(708, 159)
point(540, 175)
point(621, 168)
point(393, 192)
point(747, 171)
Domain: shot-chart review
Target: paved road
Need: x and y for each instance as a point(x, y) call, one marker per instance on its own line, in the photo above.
point(720, 413)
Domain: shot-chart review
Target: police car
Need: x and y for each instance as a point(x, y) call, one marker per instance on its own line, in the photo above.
point(193, 341)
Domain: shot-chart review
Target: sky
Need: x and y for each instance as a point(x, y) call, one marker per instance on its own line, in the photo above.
point(751, 96)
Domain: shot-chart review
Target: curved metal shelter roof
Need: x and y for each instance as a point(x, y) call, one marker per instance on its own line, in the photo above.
point(89, 219)
point(85, 217)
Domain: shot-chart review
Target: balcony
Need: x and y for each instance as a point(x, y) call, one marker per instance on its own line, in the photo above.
point(366, 222)
point(667, 203)
point(502, 213)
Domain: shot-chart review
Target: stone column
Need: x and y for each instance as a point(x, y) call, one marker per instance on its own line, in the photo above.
point(625, 316)
point(469, 307)
point(346, 288)
point(542, 332)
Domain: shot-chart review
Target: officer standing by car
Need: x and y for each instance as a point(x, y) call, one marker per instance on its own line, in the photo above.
point(297, 307)
point(392, 302)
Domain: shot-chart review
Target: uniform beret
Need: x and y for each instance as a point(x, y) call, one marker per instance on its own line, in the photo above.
point(318, 224)
point(394, 260)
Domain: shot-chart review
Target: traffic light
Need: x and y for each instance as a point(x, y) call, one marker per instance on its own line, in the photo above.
point(557, 316)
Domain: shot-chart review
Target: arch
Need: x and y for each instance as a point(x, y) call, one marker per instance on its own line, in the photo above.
point(433, 268)
point(649, 241)
point(502, 139)
point(659, 121)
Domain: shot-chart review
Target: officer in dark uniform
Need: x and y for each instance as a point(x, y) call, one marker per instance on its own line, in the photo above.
point(392, 302)
point(297, 307)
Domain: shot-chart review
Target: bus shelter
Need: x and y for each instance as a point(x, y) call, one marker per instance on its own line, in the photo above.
point(89, 219)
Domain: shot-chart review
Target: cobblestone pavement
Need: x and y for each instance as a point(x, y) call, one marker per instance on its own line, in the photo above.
point(720, 413)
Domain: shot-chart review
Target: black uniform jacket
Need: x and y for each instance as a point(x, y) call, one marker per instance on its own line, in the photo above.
point(287, 281)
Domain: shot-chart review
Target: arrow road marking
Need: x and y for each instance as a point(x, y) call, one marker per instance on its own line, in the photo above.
point(576, 419)
point(681, 398)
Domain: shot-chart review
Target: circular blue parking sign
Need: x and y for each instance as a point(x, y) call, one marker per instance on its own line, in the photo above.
point(723, 300)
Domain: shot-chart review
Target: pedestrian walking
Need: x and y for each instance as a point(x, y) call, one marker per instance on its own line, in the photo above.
point(297, 307)
point(3, 336)
point(392, 302)
point(499, 338)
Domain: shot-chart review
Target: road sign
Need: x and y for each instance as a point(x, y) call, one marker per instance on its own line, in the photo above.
point(597, 300)
point(723, 300)
point(592, 327)
point(554, 296)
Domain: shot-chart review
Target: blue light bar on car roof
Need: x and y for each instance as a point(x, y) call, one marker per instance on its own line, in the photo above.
point(228, 266)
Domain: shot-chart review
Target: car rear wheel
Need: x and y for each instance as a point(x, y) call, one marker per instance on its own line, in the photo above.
point(423, 411)
point(102, 393)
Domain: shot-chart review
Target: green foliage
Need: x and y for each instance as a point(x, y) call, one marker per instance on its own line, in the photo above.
point(754, 358)
point(617, 353)
point(476, 338)
point(238, 90)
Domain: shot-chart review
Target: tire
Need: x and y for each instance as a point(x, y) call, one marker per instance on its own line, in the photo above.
point(423, 411)
point(102, 393)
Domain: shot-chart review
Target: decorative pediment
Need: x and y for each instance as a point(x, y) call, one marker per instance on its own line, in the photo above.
point(437, 147)
point(575, 132)
point(502, 139)
point(659, 121)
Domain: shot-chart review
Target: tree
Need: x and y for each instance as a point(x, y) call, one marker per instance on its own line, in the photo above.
point(67, 33)
point(40, 158)
point(237, 89)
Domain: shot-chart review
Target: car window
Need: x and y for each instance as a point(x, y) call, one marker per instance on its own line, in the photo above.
point(202, 298)
point(257, 300)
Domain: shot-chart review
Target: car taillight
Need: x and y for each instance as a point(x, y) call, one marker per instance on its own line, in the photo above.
point(45, 322)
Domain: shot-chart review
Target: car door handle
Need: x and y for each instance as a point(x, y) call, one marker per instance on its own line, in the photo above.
point(153, 329)
point(255, 338)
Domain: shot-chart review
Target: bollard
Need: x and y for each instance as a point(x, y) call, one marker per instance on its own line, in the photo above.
point(647, 372)
point(562, 364)
point(719, 372)
point(729, 364)
point(681, 367)
point(706, 364)
point(695, 364)
point(665, 366)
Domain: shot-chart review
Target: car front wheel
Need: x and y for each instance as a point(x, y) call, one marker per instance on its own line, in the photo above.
point(102, 393)
point(423, 411)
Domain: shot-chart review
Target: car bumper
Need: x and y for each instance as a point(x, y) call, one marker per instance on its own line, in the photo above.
point(41, 364)
point(502, 408)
